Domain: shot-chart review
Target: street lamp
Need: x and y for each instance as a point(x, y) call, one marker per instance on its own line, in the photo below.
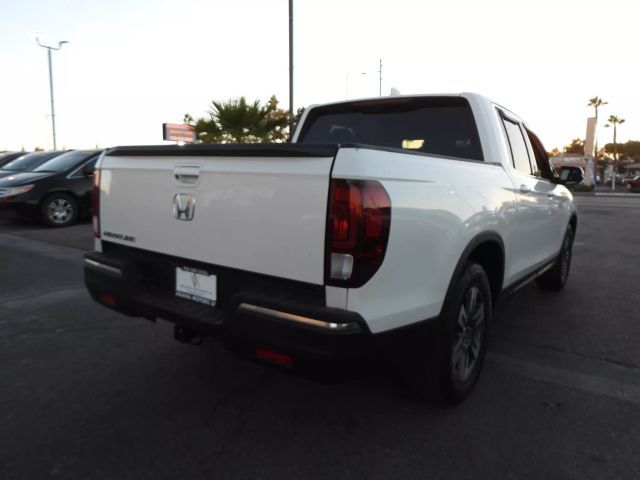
point(291, 60)
point(346, 95)
point(53, 114)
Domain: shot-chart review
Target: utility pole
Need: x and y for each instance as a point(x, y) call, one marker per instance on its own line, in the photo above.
point(291, 60)
point(380, 79)
point(53, 113)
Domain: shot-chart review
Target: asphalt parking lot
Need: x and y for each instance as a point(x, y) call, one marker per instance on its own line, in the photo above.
point(86, 393)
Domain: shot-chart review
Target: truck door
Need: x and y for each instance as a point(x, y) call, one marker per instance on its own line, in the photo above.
point(559, 201)
point(534, 229)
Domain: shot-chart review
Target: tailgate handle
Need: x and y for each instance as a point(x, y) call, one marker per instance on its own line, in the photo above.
point(187, 174)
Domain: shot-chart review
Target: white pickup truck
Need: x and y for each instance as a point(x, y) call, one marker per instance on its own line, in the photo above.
point(387, 223)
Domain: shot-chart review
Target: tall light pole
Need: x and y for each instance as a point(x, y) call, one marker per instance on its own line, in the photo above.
point(291, 59)
point(380, 80)
point(346, 96)
point(53, 113)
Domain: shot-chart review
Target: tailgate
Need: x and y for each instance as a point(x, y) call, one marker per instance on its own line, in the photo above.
point(256, 208)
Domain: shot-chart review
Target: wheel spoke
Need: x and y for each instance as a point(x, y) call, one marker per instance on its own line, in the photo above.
point(457, 357)
point(473, 297)
point(467, 365)
point(477, 317)
point(475, 345)
point(462, 317)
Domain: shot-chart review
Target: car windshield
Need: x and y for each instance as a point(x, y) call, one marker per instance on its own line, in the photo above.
point(28, 162)
point(66, 161)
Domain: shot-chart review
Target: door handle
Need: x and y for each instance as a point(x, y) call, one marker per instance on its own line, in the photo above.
point(524, 189)
point(187, 174)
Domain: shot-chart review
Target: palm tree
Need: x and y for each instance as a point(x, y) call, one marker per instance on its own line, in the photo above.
point(187, 119)
point(236, 118)
point(237, 121)
point(596, 102)
point(614, 121)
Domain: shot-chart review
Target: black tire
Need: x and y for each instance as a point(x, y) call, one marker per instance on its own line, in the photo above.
point(448, 365)
point(554, 279)
point(59, 210)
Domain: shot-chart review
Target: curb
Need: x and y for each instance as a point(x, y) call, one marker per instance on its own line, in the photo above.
point(604, 194)
point(626, 195)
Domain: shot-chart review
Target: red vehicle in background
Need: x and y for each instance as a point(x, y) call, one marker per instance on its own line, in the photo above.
point(632, 184)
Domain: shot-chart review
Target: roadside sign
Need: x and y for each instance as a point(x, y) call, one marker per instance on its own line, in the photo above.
point(176, 132)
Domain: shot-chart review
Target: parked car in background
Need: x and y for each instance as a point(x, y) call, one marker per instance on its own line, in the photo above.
point(58, 190)
point(6, 157)
point(618, 180)
point(27, 162)
point(632, 183)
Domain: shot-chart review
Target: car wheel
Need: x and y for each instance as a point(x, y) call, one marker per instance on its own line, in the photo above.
point(556, 277)
point(59, 210)
point(447, 369)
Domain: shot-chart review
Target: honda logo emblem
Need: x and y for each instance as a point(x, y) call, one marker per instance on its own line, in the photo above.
point(184, 206)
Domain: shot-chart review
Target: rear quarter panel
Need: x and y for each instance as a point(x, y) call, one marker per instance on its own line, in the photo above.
point(438, 205)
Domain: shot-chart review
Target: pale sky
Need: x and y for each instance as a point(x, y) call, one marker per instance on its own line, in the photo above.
point(134, 64)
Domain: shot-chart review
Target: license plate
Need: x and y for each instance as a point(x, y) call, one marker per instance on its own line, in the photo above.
point(196, 285)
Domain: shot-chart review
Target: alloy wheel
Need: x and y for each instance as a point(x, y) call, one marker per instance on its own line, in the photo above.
point(468, 335)
point(60, 211)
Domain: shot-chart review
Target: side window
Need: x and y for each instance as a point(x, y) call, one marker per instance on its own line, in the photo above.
point(541, 157)
point(519, 152)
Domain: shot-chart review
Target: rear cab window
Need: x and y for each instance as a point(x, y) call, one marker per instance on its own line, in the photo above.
point(442, 126)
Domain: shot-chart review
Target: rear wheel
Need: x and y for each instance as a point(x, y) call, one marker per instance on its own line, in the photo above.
point(556, 277)
point(447, 367)
point(59, 210)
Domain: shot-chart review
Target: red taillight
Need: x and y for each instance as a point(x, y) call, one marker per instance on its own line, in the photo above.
point(358, 231)
point(96, 203)
point(274, 357)
point(108, 299)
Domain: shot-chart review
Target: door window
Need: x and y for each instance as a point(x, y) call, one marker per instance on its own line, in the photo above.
point(541, 157)
point(518, 146)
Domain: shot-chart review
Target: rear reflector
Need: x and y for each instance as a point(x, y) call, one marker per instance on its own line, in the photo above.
point(274, 357)
point(96, 203)
point(359, 219)
point(108, 299)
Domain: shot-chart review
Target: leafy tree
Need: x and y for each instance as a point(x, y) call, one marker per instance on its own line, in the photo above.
point(208, 131)
point(237, 121)
point(576, 146)
point(596, 102)
point(555, 152)
point(630, 150)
